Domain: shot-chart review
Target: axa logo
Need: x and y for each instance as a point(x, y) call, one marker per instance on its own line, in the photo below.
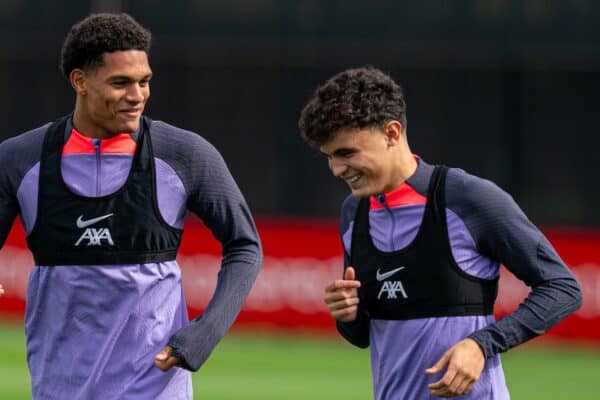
point(390, 288)
point(94, 236)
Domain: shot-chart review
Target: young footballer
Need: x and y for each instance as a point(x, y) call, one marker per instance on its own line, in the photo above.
point(423, 245)
point(102, 194)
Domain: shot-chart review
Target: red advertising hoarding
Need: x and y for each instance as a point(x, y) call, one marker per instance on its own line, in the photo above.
point(301, 257)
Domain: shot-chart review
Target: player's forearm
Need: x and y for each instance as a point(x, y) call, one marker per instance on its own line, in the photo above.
point(8, 206)
point(195, 342)
point(8, 212)
point(546, 305)
point(357, 331)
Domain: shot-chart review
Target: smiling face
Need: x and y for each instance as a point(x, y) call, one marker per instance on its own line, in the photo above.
point(364, 159)
point(112, 96)
point(372, 160)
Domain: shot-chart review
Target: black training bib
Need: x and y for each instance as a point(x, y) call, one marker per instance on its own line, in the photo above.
point(125, 227)
point(421, 280)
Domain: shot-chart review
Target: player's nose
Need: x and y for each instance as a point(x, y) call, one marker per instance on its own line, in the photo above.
point(135, 93)
point(337, 168)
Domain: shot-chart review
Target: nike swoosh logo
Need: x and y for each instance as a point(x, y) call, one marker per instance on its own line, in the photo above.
point(385, 275)
point(84, 224)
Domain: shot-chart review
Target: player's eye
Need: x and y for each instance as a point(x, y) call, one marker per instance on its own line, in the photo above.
point(345, 153)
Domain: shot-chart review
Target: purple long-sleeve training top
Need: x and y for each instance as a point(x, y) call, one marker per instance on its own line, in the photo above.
point(93, 331)
point(486, 228)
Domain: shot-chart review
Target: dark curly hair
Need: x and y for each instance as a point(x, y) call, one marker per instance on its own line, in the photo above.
point(102, 33)
point(355, 98)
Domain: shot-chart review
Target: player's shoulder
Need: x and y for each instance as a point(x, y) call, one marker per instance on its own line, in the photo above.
point(350, 204)
point(25, 148)
point(182, 148)
point(184, 140)
point(463, 189)
point(466, 191)
point(24, 141)
point(348, 211)
point(187, 153)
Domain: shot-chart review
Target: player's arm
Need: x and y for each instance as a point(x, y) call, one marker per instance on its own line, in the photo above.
point(503, 232)
point(354, 330)
point(8, 213)
point(217, 200)
point(357, 331)
point(9, 206)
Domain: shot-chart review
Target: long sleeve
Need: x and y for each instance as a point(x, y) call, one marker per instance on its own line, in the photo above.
point(8, 201)
point(357, 331)
point(502, 232)
point(214, 196)
point(18, 156)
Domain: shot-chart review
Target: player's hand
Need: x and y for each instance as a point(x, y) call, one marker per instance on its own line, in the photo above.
point(165, 361)
point(341, 297)
point(465, 361)
point(1, 290)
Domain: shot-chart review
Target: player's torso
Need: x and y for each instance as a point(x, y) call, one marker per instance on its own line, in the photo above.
point(402, 348)
point(98, 168)
point(93, 330)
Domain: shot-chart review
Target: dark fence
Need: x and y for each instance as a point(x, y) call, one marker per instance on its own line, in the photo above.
point(504, 89)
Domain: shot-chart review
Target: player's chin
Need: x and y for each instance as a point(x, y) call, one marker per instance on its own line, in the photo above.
point(362, 191)
point(128, 126)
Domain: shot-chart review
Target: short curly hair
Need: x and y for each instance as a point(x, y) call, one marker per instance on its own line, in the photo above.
point(97, 34)
point(355, 98)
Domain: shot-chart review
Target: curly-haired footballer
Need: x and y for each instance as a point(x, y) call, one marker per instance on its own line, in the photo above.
point(423, 245)
point(102, 194)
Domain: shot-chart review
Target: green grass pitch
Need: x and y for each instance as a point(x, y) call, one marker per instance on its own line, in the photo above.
point(265, 368)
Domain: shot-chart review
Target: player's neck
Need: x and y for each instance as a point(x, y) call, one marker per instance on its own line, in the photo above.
point(85, 126)
point(405, 165)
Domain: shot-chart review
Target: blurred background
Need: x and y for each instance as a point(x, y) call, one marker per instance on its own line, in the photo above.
point(503, 89)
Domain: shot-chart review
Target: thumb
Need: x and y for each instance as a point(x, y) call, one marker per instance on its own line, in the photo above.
point(349, 274)
point(164, 354)
point(439, 365)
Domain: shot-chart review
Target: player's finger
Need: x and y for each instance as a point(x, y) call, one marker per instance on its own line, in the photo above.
point(342, 284)
point(338, 295)
point(445, 381)
point(349, 274)
point(464, 387)
point(437, 367)
point(168, 363)
point(444, 394)
point(332, 297)
point(457, 382)
point(441, 392)
point(164, 354)
point(346, 315)
point(345, 303)
point(441, 389)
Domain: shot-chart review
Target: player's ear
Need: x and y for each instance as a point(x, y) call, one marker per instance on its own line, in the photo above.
point(393, 132)
point(77, 77)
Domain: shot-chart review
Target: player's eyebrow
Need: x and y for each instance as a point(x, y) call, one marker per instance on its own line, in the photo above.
point(127, 78)
point(342, 151)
